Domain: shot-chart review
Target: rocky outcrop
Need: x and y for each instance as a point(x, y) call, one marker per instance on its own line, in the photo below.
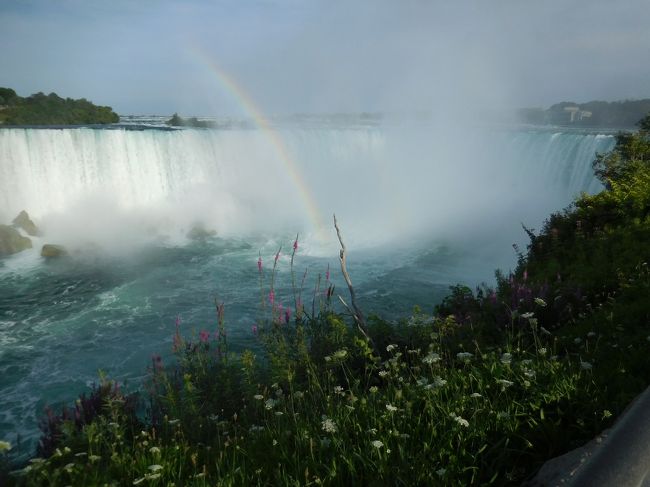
point(11, 241)
point(23, 221)
point(52, 250)
point(199, 232)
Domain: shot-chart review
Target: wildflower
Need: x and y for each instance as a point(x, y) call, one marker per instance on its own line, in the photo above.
point(298, 394)
point(204, 336)
point(459, 420)
point(154, 449)
point(377, 444)
point(94, 458)
point(259, 264)
point(4, 446)
point(327, 273)
point(155, 468)
point(391, 347)
point(340, 354)
point(607, 414)
point(271, 297)
point(505, 383)
point(329, 426)
point(542, 351)
point(585, 365)
point(295, 244)
point(373, 389)
point(464, 355)
point(439, 381)
point(475, 394)
point(258, 397)
point(591, 334)
point(338, 390)
point(372, 431)
point(528, 315)
point(506, 358)
point(254, 329)
point(441, 472)
point(577, 340)
point(270, 403)
point(540, 302)
point(279, 413)
point(383, 373)
point(174, 421)
point(431, 358)
point(287, 315)
point(391, 408)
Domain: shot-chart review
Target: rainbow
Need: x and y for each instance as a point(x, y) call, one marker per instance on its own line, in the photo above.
point(250, 108)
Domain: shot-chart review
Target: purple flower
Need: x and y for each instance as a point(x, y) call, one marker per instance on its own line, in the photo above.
point(287, 315)
point(254, 329)
point(259, 264)
point(204, 336)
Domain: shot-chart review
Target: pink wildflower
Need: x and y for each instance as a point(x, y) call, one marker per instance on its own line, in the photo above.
point(295, 244)
point(259, 264)
point(327, 273)
point(254, 329)
point(287, 315)
point(271, 297)
point(277, 256)
point(204, 336)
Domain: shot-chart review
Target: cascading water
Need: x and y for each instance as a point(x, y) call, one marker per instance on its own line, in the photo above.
point(61, 321)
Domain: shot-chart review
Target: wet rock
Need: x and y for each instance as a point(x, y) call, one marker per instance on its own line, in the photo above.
point(199, 232)
point(52, 250)
point(23, 221)
point(11, 241)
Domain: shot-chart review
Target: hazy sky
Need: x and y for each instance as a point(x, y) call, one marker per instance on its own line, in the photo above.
point(149, 56)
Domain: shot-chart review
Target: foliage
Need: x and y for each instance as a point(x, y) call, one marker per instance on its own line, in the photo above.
point(41, 109)
point(177, 121)
point(603, 114)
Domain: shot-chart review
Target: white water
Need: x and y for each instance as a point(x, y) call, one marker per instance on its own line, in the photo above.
point(382, 181)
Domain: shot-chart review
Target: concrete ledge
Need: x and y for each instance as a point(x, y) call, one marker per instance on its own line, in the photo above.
point(617, 457)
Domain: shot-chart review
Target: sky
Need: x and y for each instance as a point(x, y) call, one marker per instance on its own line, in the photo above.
point(325, 56)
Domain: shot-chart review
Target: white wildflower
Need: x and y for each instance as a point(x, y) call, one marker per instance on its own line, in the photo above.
point(279, 413)
point(475, 394)
point(441, 472)
point(373, 389)
point(340, 354)
point(542, 351)
point(329, 426)
point(591, 334)
point(431, 358)
point(528, 315)
point(506, 358)
point(258, 397)
point(270, 403)
point(391, 408)
point(155, 468)
point(577, 340)
point(505, 383)
point(391, 347)
point(154, 449)
point(339, 390)
point(459, 420)
point(383, 373)
point(540, 302)
point(464, 355)
point(377, 444)
point(439, 381)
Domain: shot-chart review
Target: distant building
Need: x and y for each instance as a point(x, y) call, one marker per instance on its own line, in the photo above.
point(572, 112)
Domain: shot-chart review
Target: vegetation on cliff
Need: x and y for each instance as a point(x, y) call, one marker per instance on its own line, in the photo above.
point(483, 391)
point(41, 109)
point(617, 114)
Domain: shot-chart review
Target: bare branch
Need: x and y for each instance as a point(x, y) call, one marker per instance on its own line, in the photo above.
point(357, 314)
